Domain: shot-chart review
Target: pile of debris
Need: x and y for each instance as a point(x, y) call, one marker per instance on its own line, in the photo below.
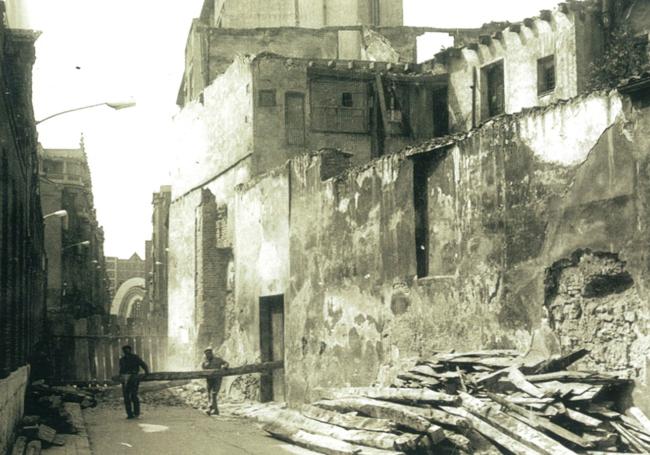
point(487, 402)
point(50, 412)
point(193, 394)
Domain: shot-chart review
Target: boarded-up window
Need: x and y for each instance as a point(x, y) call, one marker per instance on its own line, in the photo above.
point(339, 106)
point(546, 74)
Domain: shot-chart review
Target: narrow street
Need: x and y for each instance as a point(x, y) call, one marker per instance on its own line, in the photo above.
point(177, 430)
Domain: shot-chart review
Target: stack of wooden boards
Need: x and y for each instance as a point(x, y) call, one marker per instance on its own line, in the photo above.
point(488, 402)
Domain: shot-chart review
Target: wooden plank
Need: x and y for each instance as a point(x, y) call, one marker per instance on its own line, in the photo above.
point(560, 363)
point(203, 374)
point(576, 376)
point(322, 444)
point(632, 440)
point(445, 357)
point(379, 440)
point(349, 421)
point(541, 423)
point(319, 443)
point(641, 417)
point(492, 433)
point(490, 362)
point(584, 419)
point(385, 410)
point(399, 395)
point(516, 429)
point(517, 379)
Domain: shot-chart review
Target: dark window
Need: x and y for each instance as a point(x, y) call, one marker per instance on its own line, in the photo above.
point(440, 112)
point(266, 98)
point(493, 93)
point(339, 106)
point(347, 100)
point(546, 74)
point(421, 205)
point(53, 167)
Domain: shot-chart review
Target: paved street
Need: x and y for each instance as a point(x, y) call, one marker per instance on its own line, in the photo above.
point(176, 431)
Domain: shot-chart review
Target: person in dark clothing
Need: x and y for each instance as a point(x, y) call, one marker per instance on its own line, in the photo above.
point(211, 362)
point(130, 365)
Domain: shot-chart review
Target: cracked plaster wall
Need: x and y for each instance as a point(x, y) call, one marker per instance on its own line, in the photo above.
point(504, 206)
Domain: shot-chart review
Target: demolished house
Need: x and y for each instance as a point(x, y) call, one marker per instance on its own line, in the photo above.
point(352, 216)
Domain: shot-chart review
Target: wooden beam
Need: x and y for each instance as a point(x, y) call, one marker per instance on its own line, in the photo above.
point(398, 395)
point(513, 427)
point(561, 363)
point(385, 410)
point(641, 417)
point(541, 423)
point(492, 433)
point(348, 421)
point(516, 378)
point(204, 374)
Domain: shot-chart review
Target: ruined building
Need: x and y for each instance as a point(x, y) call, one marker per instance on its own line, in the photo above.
point(156, 259)
point(77, 280)
point(22, 255)
point(347, 216)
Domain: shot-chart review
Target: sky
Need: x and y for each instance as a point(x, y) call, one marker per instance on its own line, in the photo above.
point(93, 51)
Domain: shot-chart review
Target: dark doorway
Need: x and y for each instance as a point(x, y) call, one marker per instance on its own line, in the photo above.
point(440, 112)
point(294, 117)
point(272, 346)
point(494, 92)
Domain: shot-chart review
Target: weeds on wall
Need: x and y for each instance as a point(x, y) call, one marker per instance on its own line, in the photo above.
point(625, 56)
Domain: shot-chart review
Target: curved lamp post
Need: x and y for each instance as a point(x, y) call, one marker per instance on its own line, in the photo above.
point(57, 214)
point(113, 105)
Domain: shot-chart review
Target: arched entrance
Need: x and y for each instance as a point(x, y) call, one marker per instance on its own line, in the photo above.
point(128, 298)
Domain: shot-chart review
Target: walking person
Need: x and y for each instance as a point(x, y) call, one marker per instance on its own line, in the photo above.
point(130, 365)
point(212, 362)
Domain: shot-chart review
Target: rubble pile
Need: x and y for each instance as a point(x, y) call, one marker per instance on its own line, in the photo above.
point(150, 394)
point(487, 402)
point(49, 414)
point(194, 394)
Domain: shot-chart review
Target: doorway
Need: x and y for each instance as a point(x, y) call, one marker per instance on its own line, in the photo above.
point(294, 117)
point(272, 346)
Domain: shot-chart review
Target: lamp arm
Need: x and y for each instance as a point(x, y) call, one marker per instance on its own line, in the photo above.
point(68, 111)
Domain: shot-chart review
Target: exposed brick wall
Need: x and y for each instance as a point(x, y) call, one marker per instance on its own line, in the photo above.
point(593, 304)
point(213, 257)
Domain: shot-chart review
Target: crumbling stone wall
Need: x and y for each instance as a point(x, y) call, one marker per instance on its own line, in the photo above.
point(504, 203)
point(593, 304)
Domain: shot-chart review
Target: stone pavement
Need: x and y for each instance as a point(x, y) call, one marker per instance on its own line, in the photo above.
point(175, 430)
point(75, 444)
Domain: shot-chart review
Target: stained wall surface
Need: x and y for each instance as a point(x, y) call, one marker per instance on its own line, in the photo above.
point(503, 207)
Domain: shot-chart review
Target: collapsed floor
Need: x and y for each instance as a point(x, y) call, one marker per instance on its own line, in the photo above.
point(488, 402)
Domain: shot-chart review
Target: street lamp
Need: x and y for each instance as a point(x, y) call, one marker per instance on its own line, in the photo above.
point(113, 105)
point(84, 243)
point(57, 214)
